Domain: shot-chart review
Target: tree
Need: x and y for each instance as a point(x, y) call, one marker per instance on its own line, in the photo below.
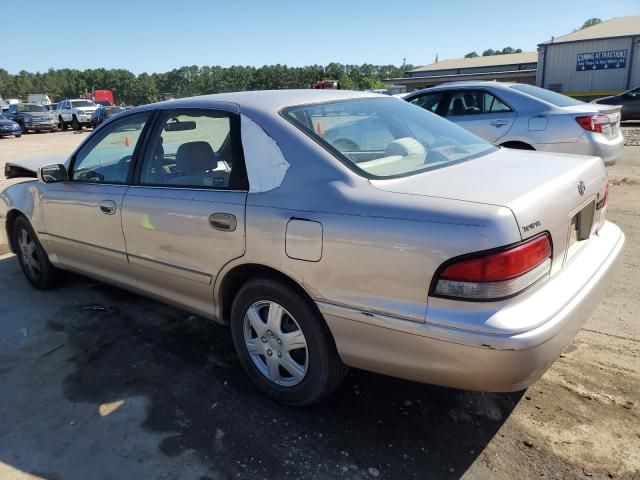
point(591, 22)
point(505, 51)
point(473, 54)
point(191, 80)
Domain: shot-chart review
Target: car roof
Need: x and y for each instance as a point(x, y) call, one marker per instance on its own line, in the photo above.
point(266, 101)
point(469, 84)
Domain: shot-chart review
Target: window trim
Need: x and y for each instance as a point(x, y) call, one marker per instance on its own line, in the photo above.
point(236, 148)
point(454, 91)
point(94, 139)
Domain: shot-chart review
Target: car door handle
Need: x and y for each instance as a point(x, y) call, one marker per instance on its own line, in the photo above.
point(224, 222)
point(108, 207)
point(499, 123)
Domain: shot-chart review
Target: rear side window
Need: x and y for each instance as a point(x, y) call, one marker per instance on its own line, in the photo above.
point(199, 149)
point(548, 96)
point(473, 102)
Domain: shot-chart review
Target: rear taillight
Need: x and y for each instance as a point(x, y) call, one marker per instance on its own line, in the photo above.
point(605, 198)
point(495, 274)
point(593, 123)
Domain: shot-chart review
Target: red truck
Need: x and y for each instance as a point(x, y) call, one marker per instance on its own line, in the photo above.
point(102, 97)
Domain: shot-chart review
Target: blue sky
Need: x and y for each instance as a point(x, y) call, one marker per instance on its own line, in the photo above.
point(159, 35)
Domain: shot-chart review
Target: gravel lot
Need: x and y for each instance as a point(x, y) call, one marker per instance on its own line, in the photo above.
point(100, 383)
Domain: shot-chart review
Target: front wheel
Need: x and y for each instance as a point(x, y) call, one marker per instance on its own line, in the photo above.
point(18, 135)
point(284, 344)
point(32, 257)
point(75, 124)
point(23, 127)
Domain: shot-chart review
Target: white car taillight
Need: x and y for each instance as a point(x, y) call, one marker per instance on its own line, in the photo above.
point(495, 274)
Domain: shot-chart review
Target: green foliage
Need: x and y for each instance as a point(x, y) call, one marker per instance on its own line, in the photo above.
point(473, 54)
point(590, 22)
point(504, 51)
point(191, 80)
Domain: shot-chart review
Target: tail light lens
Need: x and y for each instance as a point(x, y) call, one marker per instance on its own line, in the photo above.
point(605, 198)
point(593, 123)
point(495, 275)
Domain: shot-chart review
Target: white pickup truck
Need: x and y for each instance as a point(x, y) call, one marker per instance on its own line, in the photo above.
point(76, 113)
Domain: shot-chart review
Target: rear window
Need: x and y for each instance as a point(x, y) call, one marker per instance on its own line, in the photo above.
point(386, 137)
point(548, 96)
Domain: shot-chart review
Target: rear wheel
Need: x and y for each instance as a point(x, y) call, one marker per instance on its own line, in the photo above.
point(18, 135)
point(283, 343)
point(32, 257)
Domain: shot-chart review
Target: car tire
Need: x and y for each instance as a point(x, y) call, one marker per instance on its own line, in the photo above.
point(61, 125)
point(23, 128)
point(298, 342)
point(33, 260)
point(18, 135)
point(75, 124)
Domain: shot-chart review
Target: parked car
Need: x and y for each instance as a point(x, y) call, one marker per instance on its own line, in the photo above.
point(9, 127)
point(629, 101)
point(103, 112)
point(76, 113)
point(32, 117)
point(52, 107)
point(516, 115)
point(430, 255)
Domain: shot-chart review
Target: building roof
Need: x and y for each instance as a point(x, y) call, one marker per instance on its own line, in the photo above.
point(476, 62)
point(616, 27)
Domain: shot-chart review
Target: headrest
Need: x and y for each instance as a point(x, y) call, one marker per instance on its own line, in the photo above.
point(405, 146)
point(195, 157)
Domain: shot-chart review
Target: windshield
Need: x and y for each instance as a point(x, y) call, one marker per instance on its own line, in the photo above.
point(386, 137)
point(33, 108)
point(548, 96)
point(82, 103)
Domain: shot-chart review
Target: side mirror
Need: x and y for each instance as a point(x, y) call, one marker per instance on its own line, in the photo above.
point(52, 173)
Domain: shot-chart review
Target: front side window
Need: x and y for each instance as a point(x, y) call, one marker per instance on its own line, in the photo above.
point(198, 149)
point(107, 157)
point(384, 138)
point(428, 101)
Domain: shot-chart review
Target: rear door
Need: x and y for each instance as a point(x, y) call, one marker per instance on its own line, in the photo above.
point(481, 112)
point(184, 215)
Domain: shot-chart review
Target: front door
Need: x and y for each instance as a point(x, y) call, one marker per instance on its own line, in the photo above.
point(184, 216)
point(481, 113)
point(83, 215)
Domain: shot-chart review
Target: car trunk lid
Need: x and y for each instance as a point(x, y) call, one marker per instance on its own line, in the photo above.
point(544, 191)
point(592, 109)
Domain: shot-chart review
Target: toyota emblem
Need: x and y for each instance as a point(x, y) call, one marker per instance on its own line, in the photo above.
point(581, 187)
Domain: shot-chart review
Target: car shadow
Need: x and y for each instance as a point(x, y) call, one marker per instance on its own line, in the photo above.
point(123, 346)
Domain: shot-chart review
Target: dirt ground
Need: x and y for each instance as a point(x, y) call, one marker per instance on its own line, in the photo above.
point(99, 383)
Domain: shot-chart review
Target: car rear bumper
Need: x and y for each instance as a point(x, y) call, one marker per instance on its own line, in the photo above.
point(458, 358)
point(592, 144)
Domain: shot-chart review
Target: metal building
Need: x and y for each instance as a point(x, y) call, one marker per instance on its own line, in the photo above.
point(600, 60)
point(513, 67)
